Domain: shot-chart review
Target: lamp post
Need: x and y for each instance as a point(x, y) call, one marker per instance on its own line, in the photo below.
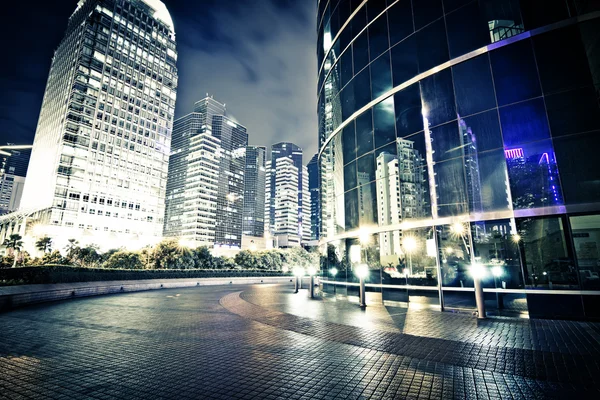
point(406, 277)
point(298, 273)
point(478, 272)
point(333, 271)
point(497, 271)
point(311, 272)
point(362, 271)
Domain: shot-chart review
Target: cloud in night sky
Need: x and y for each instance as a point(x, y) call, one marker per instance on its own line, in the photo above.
point(257, 56)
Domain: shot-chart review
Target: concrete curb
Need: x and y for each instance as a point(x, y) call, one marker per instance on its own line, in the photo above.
point(12, 297)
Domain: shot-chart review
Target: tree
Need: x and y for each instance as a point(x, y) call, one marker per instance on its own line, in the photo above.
point(44, 244)
point(124, 260)
point(14, 244)
point(203, 259)
point(71, 249)
point(86, 256)
point(245, 259)
point(169, 255)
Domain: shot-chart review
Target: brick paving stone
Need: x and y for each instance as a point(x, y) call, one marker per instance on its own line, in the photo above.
point(264, 343)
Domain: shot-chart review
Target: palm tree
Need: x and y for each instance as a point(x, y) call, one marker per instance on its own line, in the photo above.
point(14, 243)
point(44, 244)
point(71, 248)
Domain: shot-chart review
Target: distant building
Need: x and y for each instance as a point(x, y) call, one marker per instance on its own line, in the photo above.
point(286, 229)
point(205, 188)
point(302, 198)
point(254, 192)
point(315, 193)
point(13, 170)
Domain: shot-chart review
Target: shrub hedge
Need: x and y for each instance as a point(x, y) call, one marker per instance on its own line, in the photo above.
point(67, 274)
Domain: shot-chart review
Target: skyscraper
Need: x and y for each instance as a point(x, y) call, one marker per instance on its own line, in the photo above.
point(254, 191)
point(99, 161)
point(294, 153)
point(285, 228)
point(13, 169)
point(205, 190)
point(315, 194)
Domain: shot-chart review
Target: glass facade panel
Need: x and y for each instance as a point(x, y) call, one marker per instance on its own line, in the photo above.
point(401, 20)
point(409, 118)
point(360, 50)
point(432, 45)
point(465, 37)
point(515, 73)
point(573, 111)
point(474, 86)
point(567, 71)
point(579, 173)
point(437, 94)
point(364, 133)
point(404, 60)
point(426, 11)
point(381, 75)
point(545, 253)
point(384, 123)
point(586, 242)
point(378, 36)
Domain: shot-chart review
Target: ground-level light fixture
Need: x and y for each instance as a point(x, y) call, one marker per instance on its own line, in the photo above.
point(298, 273)
point(333, 272)
point(362, 271)
point(457, 228)
point(364, 236)
point(497, 271)
point(478, 271)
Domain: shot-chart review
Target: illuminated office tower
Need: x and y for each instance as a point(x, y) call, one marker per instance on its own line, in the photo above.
point(205, 190)
point(13, 169)
point(285, 228)
point(98, 169)
point(315, 197)
point(254, 192)
point(294, 153)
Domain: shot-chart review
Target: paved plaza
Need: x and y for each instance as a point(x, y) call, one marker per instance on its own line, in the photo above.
point(265, 342)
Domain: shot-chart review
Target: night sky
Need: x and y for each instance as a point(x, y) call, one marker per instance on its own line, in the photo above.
point(257, 56)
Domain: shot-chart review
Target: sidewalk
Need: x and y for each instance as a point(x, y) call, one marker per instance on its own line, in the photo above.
point(22, 295)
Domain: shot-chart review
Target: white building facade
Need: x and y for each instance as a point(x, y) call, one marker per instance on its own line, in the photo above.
point(99, 162)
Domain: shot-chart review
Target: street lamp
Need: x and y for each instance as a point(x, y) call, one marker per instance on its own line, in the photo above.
point(362, 271)
point(478, 271)
point(497, 272)
point(405, 271)
point(311, 272)
point(333, 271)
point(410, 245)
point(299, 273)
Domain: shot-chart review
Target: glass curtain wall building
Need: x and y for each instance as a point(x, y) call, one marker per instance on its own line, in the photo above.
point(254, 191)
point(99, 161)
point(315, 197)
point(455, 133)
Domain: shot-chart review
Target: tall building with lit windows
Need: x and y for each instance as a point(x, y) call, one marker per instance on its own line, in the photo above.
point(205, 189)
point(254, 191)
point(302, 195)
point(99, 161)
point(472, 127)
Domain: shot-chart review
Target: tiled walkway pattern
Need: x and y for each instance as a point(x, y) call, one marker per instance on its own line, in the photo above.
point(210, 342)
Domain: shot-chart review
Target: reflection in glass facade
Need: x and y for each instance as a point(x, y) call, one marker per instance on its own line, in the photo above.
point(455, 133)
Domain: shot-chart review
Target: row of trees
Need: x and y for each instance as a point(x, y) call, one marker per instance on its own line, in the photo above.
point(166, 255)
